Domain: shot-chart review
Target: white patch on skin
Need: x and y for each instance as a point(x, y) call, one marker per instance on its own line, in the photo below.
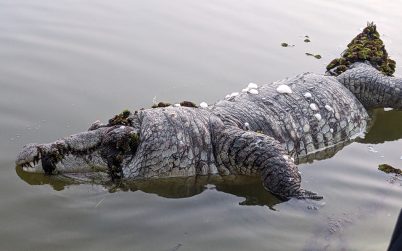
point(329, 108)
point(284, 89)
point(177, 105)
point(317, 116)
point(331, 130)
point(386, 109)
point(253, 91)
point(307, 95)
point(313, 107)
point(203, 105)
point(252, 86)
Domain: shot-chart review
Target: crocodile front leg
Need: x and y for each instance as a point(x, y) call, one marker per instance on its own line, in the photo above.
point(250, 153)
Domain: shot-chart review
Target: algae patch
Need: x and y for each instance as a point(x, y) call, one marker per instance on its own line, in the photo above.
point(121, 119)
point(366, 46)
point(287, 45)
point(317, 56)
point(389, 169)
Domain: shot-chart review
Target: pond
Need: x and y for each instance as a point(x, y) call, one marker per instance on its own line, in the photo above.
point(65, 64)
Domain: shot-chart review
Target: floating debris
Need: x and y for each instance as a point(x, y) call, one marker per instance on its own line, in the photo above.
point(389, 169)
point(100, 202)
point(317, 116)
point(312, 207)
point(317, 56)
point(386, 109)
point(307, 95)
point(366, 46)
point(371, 149)
point(287, 45)
point(284, 89)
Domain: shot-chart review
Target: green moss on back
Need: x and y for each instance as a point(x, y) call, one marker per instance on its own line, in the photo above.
point(161, 104)
point(121, 119)
point(366, 46)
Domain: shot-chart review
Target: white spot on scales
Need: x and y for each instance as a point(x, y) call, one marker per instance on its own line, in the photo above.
point(284, 89)
point(203, 105)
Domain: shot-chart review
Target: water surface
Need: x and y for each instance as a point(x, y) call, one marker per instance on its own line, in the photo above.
point(65, 64)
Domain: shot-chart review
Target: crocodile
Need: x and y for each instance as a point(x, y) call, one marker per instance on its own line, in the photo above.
point(261, 131)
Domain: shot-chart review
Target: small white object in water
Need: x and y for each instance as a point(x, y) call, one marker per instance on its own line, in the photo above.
point(313, 107)
point(234, 94)
point(290, 179)
point(177, 105)
point(245, 90)
point(400, 157)
point(203, 105)
point(122, 127)
point(284, 89)
point(386, 109)
point(253, 91)
point(371, 149)
point(329, 108)
point(307, 95)
point(317, 116)
point(252, 86)
point(227, 96)
point(286, 157)
point(331, 130)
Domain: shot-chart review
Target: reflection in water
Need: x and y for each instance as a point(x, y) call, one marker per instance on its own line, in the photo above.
point(247, 187)
point(386, 126)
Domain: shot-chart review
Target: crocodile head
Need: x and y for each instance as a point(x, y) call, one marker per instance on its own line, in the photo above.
point(102, 148)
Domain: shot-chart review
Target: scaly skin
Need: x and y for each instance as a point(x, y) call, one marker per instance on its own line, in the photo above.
point(249, 134)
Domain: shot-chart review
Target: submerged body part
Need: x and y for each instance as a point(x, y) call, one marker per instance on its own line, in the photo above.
point(261, 131)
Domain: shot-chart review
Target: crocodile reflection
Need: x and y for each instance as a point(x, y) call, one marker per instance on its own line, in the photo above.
point(385, 126)
point(246, 187)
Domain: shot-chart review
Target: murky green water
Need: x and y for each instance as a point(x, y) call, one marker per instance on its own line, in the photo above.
point(64, 64)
